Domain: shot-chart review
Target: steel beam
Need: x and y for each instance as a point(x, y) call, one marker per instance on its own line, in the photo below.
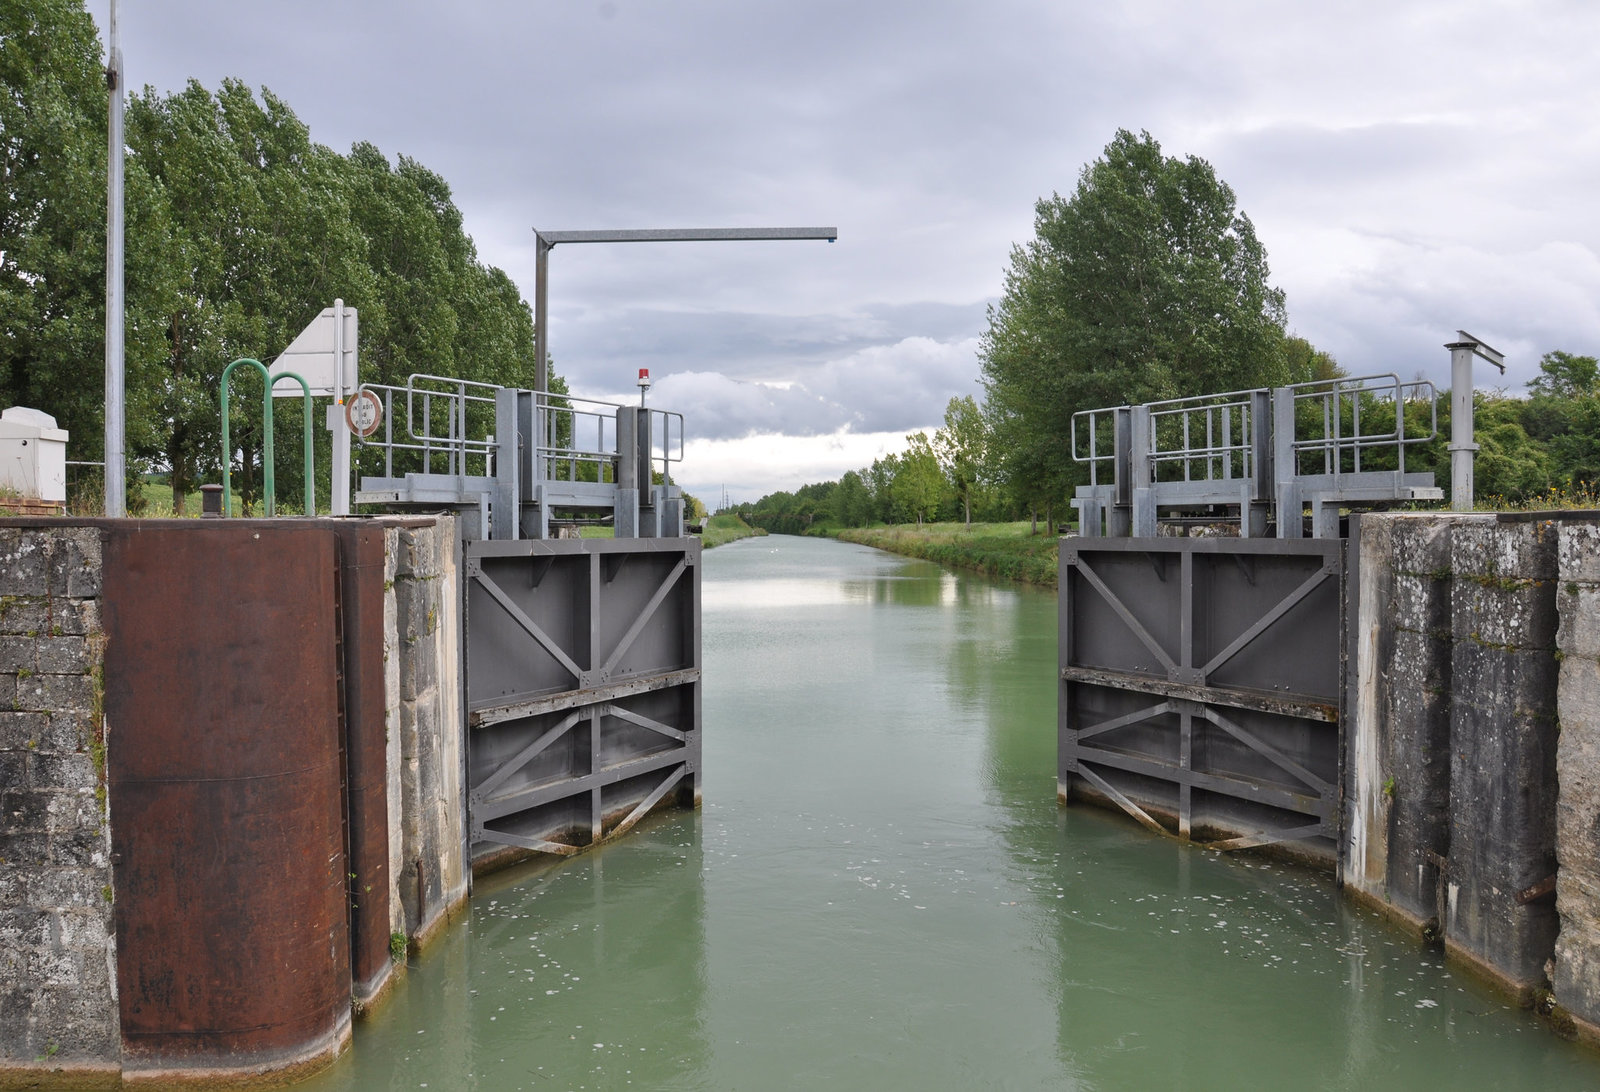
point(687, 235)
point(497, 710)
point(510, 803)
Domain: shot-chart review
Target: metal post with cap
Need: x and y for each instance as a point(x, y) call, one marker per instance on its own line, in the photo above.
point(1462, 447)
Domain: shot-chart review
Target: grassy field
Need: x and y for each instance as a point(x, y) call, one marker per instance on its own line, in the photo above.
point(996, 549)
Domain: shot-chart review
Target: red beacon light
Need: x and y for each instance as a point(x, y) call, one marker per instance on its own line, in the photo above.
point(644, 383)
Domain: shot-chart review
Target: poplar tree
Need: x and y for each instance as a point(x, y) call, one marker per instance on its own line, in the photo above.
point(962, 446)
point(1146, 283)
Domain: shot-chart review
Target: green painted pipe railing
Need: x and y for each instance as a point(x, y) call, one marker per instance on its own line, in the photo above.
point(268, 485)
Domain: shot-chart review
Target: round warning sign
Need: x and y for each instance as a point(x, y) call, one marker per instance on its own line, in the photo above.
point(363, 412)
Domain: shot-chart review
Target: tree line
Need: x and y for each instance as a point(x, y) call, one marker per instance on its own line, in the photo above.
point(1149, 283)
point(239, 229)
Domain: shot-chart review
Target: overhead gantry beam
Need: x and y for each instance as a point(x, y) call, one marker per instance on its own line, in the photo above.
point(544, 240)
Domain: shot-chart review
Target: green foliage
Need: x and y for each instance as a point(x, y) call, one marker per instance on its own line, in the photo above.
point(1305, 363)
point(1508, 462)
point(1513, 464)
point(1566, 375)
point(1146, 283)
point(962, 446)
point(794, 513)
point(1562, 415)
point(852, 503)
point(919, 486)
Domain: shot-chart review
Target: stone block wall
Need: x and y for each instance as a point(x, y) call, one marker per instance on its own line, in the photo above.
point(58, 1001)
point(428, 865)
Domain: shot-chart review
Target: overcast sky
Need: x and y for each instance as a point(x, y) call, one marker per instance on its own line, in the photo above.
point(1411, 167)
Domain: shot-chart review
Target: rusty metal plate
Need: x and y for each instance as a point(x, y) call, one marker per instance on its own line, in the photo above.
point(225, 770)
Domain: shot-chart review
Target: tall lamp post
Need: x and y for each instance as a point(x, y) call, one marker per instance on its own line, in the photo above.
point(544, 240)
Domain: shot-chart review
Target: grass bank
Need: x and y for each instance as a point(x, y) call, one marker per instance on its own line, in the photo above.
point(726, 527)
point(718, 529)
point(995, 549)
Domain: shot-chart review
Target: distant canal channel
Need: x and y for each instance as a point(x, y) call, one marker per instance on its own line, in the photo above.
point(880, 893)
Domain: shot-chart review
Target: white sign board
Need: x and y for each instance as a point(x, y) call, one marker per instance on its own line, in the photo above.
point(324, 355)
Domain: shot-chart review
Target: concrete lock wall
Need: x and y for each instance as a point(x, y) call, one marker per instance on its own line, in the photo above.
point(61, 1000)
point(1575, 974)
point(1473, 808)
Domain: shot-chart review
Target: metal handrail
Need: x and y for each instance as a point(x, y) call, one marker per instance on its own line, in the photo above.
point(447, 408)
point(662, 440)
point(1095, 422)
point(1330, 395)
point(568, 421)
point(1220, 416)
point(439, 425)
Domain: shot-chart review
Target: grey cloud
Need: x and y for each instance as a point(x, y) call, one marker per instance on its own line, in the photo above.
point(747, 346)
point(885, 388)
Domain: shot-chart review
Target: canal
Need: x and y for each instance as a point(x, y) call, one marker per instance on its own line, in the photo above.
point(880, 892)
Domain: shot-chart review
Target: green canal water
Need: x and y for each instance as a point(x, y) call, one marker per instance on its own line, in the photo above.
point(881, 893)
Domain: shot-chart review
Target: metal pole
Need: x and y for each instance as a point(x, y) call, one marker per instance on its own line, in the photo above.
point(339, 498)
point(115, 472)
point(1461, 431)
point(541, 343)
point(1462, 447)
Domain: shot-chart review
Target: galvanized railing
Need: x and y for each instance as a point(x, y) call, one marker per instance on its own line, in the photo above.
point(580, 439)
point(449, 425)
point(1337, 435)
point(441, 417)
point(1203, 439)
point(1324, 444)
point(1094, 441)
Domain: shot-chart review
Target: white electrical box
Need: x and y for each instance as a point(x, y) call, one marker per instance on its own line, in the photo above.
point(33, 455)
